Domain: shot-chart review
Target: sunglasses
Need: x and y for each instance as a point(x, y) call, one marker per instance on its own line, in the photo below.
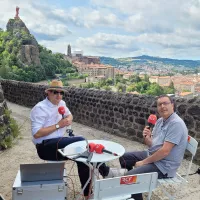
point(56, 92)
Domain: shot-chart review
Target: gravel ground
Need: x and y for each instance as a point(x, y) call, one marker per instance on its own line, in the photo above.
point(24, 151)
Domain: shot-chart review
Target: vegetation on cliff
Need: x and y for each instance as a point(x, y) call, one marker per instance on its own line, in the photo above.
point(23, 59)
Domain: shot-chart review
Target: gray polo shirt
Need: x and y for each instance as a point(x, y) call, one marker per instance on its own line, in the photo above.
point(171, 130)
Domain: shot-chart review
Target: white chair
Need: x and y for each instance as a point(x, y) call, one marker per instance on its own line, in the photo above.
point(120, 188)
point(178, 179)
point(1, 197)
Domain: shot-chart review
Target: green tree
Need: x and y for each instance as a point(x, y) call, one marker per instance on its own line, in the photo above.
point(170, 89)
point(109, 81)
point(108, 88)
point(142, 86)
point(146, 78)
point(4, 72)
point(135, 79)
point(131, 88)
point(155, 90)
point(121, 87)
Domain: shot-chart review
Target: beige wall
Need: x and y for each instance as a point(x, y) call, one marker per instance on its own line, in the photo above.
point(160, 80)
point(164, 81)
point(108, 72)
point(153, 79)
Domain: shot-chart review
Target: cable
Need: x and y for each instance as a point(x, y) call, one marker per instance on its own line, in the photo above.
point(197, 172)
point(73, 189)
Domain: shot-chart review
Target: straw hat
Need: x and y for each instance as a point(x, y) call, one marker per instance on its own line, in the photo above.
point(55, 85)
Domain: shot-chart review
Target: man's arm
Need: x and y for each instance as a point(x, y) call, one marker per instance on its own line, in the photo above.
point(45, 131)
point(158, 155)
point(50, 129)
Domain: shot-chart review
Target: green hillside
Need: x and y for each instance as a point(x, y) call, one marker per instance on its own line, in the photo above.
point(23, 59)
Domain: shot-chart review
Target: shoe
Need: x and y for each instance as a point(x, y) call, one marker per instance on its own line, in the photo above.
point(116, 172)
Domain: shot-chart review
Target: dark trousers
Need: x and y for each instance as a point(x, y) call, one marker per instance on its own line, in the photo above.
point(129, 159)
point(47, 150)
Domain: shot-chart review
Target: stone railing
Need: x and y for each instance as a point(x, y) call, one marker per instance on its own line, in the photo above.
point(120, 114)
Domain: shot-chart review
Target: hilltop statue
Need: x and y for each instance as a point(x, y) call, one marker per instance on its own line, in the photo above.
point(17, 13)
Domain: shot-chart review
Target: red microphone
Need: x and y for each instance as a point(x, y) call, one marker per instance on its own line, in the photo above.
point(152, 120)
point(99, 148)
point(61, 110)
point(91, 146)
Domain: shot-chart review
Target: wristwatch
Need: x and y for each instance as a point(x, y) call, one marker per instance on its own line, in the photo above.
point(57, 126)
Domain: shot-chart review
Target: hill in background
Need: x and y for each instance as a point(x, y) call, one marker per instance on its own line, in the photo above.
point(150, 61)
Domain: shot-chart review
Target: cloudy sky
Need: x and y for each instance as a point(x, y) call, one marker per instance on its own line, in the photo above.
point(114, 28)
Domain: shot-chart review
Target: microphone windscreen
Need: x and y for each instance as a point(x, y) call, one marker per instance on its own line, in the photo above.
point(99, 148)
point(91, 146)
point(61, 110)
point(152, 119)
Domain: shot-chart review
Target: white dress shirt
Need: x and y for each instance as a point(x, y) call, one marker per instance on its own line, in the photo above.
point(46, 114)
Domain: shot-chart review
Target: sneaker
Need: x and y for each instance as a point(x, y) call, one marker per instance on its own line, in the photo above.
point(116, 172)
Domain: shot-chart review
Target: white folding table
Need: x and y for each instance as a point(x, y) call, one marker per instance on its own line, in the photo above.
point(78, 148)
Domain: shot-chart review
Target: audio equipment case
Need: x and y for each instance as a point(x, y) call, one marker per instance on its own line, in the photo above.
point(39, 190)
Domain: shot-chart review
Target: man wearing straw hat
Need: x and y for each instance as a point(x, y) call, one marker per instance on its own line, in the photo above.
point(48, 128)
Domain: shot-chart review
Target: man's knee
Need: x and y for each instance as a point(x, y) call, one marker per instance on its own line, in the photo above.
point(78, 138)
point(121, 161)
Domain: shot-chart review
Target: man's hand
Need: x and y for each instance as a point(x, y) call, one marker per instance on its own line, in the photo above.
point(147, 135)
point(66, 121)
point(147, 132)
point(139, 164)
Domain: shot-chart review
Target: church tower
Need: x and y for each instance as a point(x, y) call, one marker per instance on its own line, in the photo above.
point(69, 53)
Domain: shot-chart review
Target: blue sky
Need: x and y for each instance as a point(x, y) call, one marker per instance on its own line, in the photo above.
point(114, 28)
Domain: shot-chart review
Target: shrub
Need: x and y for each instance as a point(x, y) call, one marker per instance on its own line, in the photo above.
point(9, 132)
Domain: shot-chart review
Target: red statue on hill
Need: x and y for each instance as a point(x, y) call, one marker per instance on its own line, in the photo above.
point(17, 13)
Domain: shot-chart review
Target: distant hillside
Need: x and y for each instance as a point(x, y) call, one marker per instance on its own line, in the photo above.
point(149, 60)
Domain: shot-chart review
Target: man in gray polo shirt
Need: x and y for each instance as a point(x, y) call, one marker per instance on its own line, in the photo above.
point(167, 143)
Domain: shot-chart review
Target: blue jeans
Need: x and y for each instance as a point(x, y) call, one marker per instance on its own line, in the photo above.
point(129, 159)
point(47, 150)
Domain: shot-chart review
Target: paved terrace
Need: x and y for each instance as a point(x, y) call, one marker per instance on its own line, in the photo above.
point(24, 151)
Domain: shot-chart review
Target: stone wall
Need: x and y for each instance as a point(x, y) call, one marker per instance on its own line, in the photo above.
point(120, 114)
point(4, 123)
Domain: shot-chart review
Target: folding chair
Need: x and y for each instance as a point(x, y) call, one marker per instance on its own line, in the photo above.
point(178, 179)
point(1, 197)
point(120, 188)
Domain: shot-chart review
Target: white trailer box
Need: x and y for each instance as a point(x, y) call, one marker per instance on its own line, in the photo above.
point(39, 190)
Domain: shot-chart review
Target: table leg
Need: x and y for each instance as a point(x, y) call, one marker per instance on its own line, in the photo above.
point(89, 178)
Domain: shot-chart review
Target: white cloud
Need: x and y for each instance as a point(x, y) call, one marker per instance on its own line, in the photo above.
point(51, 29)
point(35, 16)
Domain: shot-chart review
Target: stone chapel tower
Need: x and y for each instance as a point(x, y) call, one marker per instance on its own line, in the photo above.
point(69, 53)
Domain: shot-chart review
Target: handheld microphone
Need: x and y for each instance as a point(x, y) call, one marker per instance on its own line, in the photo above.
point(61, 110)
point(152, 120)
point(99, 148)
